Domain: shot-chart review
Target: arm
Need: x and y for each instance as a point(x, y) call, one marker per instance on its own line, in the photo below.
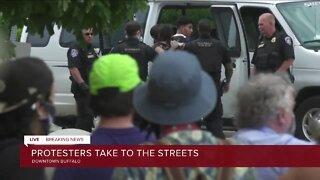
point(228, 73)
point(288, 54)
point(253, 70)
point(74, 60)
point(285, 65)
point(74, 71)
point(227, 63)
point(158, 49)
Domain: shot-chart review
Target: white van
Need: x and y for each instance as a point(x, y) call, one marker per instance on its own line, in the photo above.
point(236, 27)
point(53, 50)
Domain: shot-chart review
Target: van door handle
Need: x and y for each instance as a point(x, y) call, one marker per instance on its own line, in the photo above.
point(244, 60)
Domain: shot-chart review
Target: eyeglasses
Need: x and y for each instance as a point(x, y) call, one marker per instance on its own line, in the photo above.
point(87, 34)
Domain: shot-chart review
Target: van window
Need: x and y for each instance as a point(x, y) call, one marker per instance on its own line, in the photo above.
point(37, 40)
point(68, 38)
point(304, 20)
point(226, 31)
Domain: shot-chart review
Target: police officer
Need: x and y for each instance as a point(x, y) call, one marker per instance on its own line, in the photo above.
point(80, 60)
point(133, 46)
point(274, 52)
point(212, 54)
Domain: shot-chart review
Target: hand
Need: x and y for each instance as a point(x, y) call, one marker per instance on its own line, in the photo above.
point(84, 87)
point(226, 87)
point(174, 44)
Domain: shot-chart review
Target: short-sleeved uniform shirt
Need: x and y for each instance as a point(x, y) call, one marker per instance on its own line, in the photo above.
point(272, 52)
point(141, 52)
point(211, 54)
point(81, 58)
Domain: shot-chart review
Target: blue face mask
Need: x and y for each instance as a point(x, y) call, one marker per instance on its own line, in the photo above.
point(50, 109)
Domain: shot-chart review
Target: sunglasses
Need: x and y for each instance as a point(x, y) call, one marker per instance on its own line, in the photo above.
point(87, 34)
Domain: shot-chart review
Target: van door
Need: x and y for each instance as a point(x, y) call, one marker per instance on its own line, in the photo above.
point(231, 34)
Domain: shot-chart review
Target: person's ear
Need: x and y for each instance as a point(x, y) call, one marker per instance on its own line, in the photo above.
point(281, 117)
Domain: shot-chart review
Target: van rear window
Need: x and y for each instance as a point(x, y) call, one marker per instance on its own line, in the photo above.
point(37, 40)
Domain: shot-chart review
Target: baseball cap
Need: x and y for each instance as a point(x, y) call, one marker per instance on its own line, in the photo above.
point(114, 71)
point(23, 81)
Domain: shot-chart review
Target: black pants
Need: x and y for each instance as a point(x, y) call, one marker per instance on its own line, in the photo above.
point(85, 114)
point(214, 122)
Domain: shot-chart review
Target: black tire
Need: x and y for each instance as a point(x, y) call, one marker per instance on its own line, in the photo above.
point(308, 106)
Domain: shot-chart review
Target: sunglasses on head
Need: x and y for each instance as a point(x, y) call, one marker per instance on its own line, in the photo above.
point(87, 34)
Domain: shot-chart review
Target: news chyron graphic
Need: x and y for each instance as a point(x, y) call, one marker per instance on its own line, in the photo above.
point(56, 140)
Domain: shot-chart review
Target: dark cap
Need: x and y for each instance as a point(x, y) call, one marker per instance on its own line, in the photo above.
point(178, 91)
point(23, 81)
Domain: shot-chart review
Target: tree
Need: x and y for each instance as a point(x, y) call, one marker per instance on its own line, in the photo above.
point(6, 46)
point(104, 15)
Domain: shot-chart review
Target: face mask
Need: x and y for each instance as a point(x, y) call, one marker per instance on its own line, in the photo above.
point(46, 122)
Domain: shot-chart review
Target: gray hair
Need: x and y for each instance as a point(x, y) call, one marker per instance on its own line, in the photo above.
point(260, 99)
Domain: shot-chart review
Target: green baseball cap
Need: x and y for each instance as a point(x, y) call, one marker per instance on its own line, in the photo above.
point(114, 71)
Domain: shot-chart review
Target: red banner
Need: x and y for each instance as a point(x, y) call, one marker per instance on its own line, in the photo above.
point(169, 156)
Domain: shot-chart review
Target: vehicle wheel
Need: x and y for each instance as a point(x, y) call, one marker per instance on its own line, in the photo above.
point(308, 119)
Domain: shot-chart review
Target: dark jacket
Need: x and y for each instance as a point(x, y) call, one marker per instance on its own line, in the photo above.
point(10, 162)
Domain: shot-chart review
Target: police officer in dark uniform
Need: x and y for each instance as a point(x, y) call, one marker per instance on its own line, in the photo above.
point(212, 55)
point(274, 52)
point(80, 60)
point(133, 46)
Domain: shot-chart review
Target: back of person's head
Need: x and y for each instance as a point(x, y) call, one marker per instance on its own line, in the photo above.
point(112, 80)
point(154, 31)
point(204, 27)
point(183, 20)
point(261, 98)
point(165, 33)
point(178, 91)
point(23, 83)
point(132, 28)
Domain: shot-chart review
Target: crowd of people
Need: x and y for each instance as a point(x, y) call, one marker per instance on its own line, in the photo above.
point(165, 104)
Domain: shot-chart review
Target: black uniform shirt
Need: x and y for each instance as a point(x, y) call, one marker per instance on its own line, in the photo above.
point(272, 52)
point(82, 58)
point(138, 50)
point(211, 54)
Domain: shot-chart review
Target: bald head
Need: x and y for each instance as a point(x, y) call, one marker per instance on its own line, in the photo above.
point(268, 17)
point(267, 24)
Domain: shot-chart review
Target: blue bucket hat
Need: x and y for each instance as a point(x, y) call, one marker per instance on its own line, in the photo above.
point(178, 91)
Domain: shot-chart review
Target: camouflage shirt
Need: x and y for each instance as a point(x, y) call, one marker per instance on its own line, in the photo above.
point(187, 137)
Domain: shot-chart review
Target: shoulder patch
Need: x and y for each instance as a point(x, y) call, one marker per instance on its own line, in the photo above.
point(74, 53)
point(288, 40)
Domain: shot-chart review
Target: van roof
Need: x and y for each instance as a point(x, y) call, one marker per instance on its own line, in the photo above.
point(233, 1)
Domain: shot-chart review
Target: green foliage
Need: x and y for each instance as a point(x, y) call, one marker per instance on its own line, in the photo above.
point(6, 46)
point(105, 15)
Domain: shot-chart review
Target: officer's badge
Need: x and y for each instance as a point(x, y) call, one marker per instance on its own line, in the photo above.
point(288, 40)
point(273, 40)
point(261, 45)
point(74, 53)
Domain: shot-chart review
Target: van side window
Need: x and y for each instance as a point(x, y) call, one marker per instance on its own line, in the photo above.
point(37, 40)
point(227, 30)
point(68, 39)
point(250, 17)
